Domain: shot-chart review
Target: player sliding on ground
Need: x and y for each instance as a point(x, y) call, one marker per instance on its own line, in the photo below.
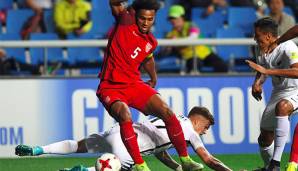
point(152, 138)
point(293, 161)
point(282, 65)
point(131, 47)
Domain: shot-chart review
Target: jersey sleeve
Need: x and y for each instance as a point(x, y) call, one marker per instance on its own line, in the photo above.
point(127, 17)
point(195, 141)
point(291, 52)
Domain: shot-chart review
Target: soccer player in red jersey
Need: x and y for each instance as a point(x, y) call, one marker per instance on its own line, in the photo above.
point(130, 47)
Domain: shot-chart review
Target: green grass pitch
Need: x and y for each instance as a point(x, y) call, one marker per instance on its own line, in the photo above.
point(236, 162)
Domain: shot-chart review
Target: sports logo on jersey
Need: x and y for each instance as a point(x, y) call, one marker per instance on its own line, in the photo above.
point(148, 47)
point(294, 55)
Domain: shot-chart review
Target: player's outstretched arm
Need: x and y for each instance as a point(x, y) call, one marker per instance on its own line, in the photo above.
point(166, 159)
point(211, 161)
point(290, 34)
point(149, 66)
point(117, 6)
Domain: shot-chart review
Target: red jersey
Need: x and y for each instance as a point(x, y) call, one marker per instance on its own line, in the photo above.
point(127, 49)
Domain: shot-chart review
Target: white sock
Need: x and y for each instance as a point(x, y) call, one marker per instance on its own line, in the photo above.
point(62, 147)
point(267, 153)
point(91, 168)
point(281, 135)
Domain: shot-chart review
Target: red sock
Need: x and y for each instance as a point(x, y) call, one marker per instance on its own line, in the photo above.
point(176, 135)
point(294, 150)
point(129, 139)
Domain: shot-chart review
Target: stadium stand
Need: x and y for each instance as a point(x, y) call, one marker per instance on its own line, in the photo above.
point(287, 10)
point(102, 22)
point(243, 18)
point(208, 24)
point(162, 25)
point(49, 21)
point(16, 19)
point(234, 55)
point(88, 59)
point(54, 55)
point(17, 53)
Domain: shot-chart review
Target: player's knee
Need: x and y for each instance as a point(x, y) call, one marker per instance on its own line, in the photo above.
point(283, 108)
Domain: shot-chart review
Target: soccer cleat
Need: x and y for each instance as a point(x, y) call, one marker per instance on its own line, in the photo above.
point(189, 165)
point(291, 166)
point(25, 150)
point(75, 168)
point(141, 167)
point(260, 169)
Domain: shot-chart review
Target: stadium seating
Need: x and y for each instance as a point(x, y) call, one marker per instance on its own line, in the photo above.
point(85, 57)
point(49, 21)
point(162, 25)
point(102, 22)
point(243, 18)
point(234, 55)
point(16, 19)
point(208, 24)
point(6, 4)
point(37, 55)
point(17, 53)
point(168, 64)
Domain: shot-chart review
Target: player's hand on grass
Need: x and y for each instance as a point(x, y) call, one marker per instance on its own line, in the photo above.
point(257, 92)
point(256, 67)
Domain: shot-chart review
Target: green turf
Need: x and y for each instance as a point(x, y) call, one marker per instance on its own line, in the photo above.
point(235, 162)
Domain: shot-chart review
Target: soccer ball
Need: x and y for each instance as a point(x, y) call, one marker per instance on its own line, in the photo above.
point(108, 162)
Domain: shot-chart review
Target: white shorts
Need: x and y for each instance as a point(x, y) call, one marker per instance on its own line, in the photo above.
point(268, 118)
point(110, 143)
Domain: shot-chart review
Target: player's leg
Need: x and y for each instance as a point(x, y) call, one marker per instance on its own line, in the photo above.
point(293, 161)
point(266, 145)
point(283, 109)
point(121, 113)
point(157, 107)
point(61, 147)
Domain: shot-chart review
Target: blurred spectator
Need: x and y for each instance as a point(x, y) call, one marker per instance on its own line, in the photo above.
point(7, 65)
point(35, 24)
point(259, 5)
point(284, 20)
point(210, 6)
point(72, 16)
point(185, 29)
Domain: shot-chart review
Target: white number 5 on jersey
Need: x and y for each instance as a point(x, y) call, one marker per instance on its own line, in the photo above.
point(135, 53)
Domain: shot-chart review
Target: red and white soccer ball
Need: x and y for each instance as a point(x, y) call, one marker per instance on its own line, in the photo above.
point(108, 162)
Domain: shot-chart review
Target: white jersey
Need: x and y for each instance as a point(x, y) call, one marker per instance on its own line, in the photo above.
point(151, 135)
point(282, 57)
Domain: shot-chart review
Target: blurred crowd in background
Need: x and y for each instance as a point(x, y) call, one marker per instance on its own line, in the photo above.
point(83, 19)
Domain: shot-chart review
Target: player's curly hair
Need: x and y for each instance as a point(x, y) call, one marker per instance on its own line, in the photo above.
point(267, 25)
point(203, 111)
point(146, 4)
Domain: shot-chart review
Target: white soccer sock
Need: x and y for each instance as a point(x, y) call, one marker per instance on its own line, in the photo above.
point(62, 147)
point(267, 153)
point(91, 168)
point(281, 135)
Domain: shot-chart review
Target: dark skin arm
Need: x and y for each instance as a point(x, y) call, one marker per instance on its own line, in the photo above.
point(117, 6)
point(210, 160)
point(257, 86)
point(290, 34)
point(149, 67)
point(166, 159)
